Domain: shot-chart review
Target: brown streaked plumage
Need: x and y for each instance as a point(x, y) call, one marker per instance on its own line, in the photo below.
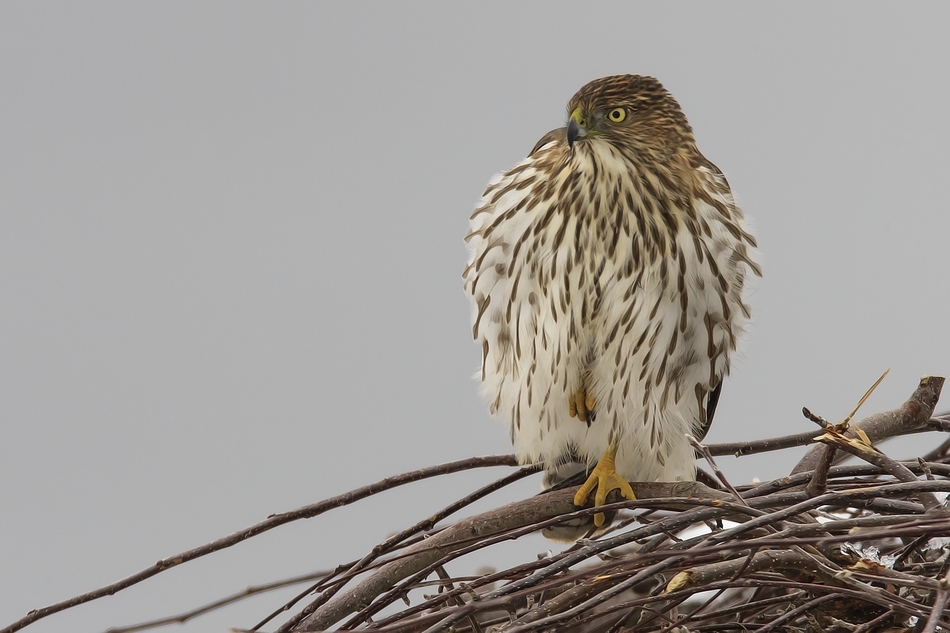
point(606, 273)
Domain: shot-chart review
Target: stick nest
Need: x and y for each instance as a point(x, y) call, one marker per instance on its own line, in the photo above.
point(862, 547)
point(854, 548)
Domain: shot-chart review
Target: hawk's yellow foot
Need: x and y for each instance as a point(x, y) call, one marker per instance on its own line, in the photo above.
point(605, 478)
point(581, 405)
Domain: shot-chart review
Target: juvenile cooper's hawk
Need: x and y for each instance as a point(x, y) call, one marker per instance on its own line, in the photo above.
point(606, 274)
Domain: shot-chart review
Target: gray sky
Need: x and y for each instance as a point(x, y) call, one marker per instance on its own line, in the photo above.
point(231, 247)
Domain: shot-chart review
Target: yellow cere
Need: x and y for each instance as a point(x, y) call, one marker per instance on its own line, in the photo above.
point(578, 116)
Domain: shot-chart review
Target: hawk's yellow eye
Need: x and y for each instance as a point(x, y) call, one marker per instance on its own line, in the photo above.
point(617, 115)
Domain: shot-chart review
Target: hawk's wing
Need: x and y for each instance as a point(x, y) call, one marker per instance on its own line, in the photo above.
point(711, 402)
point(560, 134)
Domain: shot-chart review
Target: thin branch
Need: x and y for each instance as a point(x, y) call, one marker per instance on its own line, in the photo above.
point(940, 603)
point(775, 564)
point(819, 480)
point(871, 455)
point(871, 625)
point(181, 618)
point(939, 452)
point(769, 560)
point(273, 521)
point(795, 613)
point(531, 515)
point(704, 451)
point(753, 447)
point(399, 537)
point(912, 415)
point(531, 512)
point(428, 552)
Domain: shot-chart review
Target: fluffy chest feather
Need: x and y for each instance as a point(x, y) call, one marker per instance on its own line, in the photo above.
point(589, 274)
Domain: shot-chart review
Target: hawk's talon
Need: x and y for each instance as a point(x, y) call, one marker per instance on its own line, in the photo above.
point(605, 478)
point(581, 406)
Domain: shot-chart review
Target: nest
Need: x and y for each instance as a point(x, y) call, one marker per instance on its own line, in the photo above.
point(859, 548)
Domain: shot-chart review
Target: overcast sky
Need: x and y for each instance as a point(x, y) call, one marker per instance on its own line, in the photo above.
point(231, 248)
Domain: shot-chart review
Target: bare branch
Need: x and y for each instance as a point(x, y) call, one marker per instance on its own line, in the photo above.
point(398, 538)
point(529, 512)
point(181, 618)
point(270, 523)
point(868, 453)
point(769, 560)
point(848, 547)
point(753, 447)
point(819, 480)
point(912, 415)
point(940, 604)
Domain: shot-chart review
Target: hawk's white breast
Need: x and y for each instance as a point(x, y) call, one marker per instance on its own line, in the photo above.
point(580, 280)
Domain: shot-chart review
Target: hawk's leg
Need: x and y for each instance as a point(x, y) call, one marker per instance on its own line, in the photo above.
point(581, 405)
point(605, 478)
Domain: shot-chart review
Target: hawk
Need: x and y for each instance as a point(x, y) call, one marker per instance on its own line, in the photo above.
point(606, 273)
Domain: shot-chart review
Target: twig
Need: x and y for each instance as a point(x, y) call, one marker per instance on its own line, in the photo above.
point(871, 625)
point(430, 551)
point(565, 560)
point(819, 480)
point(592, 595)
point(753, 447)
point(912, 415)
point(704, 451)
point(827, 454)
point(817, 419)
point(456, 598)
point(937, 453)
point(940, 603)
point(399, 537)
point(491, 600)
point(532, 512)
point(270, 523)
point(769, 560)
point(794, 613)
point(774, 565)
point(871, 455)
point(181, 618)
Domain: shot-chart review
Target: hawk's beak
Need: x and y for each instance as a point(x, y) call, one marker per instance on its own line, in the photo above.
point(576, 127)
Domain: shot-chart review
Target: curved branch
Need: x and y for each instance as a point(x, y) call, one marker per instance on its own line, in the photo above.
point(512, 516)
point(275, 520)
point(247, 592)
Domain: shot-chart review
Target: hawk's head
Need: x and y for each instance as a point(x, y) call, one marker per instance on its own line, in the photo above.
point(631, 112)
